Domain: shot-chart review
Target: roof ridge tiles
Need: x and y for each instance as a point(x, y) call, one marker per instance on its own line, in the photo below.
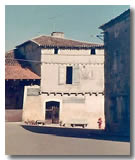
point(50, 41)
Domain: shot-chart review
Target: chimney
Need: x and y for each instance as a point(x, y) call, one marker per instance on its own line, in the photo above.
point(57, 34)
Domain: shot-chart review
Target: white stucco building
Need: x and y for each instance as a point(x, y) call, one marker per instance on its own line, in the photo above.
point(72, 80)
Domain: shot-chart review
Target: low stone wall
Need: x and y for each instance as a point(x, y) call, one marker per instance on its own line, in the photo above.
point(13, 115)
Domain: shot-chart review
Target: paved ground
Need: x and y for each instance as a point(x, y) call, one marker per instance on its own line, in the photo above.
point(29, 140)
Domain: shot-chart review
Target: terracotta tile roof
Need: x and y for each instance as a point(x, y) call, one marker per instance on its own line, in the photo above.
point(115, 20)
point(10, 58)
point(50, 41)
point(14, 69)
point(17, 72)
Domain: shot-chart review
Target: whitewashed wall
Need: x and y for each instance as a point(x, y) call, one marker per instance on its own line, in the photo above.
point(72, 51)
point(91, 79)
point(32, 108)
point(91, 71)
point(83, 108)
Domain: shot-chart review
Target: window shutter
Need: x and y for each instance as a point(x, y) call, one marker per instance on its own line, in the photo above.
point(62, 75)
point(76, 74)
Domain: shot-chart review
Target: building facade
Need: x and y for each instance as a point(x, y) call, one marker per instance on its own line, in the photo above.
point(117, 74)
point(72, 80)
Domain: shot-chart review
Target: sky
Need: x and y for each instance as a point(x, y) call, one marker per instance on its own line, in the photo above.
point(78, 22)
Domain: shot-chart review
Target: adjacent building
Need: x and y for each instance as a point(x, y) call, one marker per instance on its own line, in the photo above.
point(17, 76)
point(117, 74)
point(64, 82)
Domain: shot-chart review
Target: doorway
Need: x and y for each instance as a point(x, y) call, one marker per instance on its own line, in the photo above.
point(52, 112)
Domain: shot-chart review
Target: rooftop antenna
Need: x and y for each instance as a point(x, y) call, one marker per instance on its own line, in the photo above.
point(54, 22)
point(99, 36)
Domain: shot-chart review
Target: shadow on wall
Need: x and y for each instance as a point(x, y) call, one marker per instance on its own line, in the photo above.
point(20, 57)
point(75, 133)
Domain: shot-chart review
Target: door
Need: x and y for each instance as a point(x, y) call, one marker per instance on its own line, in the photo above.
point(52, 112)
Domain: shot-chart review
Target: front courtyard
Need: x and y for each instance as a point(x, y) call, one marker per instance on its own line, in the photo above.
point(22, 139)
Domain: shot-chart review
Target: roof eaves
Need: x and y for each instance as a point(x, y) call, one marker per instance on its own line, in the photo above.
point(88, 45)
point(73, 47)
point(22, 44)
point(31, 40)
point(115, 20)
point(35, 42)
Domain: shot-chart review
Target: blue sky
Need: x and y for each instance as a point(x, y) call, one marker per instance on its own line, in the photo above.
point(77, 22)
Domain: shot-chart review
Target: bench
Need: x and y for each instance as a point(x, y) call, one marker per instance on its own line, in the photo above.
point(76, 122)
point(40, 122)
point(83, 125)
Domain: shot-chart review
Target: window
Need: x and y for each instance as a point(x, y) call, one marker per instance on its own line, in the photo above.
point(93, 51)
point(55, 50)
point(68, 75)
point(69, 71)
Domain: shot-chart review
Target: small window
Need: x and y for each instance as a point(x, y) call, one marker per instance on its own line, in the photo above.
point(56, 51)
point(93, 51)
point(69, 71)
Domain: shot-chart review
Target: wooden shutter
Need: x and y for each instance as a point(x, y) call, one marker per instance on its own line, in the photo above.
point(76, 74)
point(62, 75)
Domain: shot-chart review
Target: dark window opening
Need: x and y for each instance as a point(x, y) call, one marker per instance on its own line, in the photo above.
point(93, 51)
point(56, 51)
point(69, 72)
